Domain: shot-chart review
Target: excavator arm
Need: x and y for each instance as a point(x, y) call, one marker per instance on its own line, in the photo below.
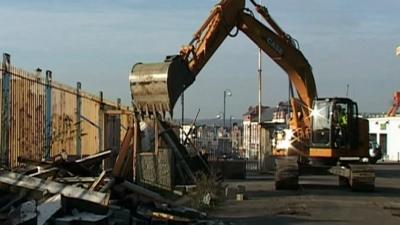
point(157, 86)
point(395, 106)
point(284, 53)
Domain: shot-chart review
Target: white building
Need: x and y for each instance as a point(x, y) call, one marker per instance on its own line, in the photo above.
point(251, 128)
point(386, 132)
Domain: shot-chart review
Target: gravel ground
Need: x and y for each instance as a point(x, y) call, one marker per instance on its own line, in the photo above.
point(318, 201)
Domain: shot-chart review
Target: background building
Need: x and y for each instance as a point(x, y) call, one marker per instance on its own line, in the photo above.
point(251, 137)
point(386, 132)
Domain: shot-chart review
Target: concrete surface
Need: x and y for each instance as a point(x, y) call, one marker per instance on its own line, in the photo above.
point(318, 201)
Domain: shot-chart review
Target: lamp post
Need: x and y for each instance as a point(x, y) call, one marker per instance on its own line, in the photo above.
point(222, 135)
point(230, 121)
point(227, 92)
point(259, 105)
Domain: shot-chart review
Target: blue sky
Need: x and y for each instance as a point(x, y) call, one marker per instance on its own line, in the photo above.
point(97, 42)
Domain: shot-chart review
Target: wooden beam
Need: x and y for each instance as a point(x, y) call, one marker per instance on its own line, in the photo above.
point(97, 181)
point(45, 173)
point(123, 154)
point(180, 158)
point(94, 158)
point(145, 192)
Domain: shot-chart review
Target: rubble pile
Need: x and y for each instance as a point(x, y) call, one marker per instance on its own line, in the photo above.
point(68, 191)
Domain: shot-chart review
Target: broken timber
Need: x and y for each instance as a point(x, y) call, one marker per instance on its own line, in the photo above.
point(167, 135)
point(39, 188)
point(145, 192)
point(48, 208)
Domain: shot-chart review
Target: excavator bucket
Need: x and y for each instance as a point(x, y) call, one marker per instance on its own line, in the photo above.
point(155, 87)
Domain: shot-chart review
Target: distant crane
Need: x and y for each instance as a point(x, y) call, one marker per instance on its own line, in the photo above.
point(396, 104)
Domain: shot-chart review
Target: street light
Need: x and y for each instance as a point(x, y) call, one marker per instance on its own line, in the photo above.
point(230, 121)
point(398, 51)
point(227, 92)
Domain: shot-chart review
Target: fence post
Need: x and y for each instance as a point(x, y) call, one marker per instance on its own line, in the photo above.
point(47, 115)
point(5, 113)
point(118, 103)
point(78, 120)
point(101, 122)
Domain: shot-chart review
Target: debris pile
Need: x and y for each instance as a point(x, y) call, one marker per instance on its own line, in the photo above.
point(70, 190)
point(77, 191)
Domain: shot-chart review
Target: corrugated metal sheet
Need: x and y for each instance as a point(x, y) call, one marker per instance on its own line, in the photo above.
point(28, 120)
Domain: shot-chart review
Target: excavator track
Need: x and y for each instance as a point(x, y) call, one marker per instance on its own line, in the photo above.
point(359, 177)
point(287, 173)
point(362, 177)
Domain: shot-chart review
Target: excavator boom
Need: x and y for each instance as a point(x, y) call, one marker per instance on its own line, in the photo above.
point(157, 86)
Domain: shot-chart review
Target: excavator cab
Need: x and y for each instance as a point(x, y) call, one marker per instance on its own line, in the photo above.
point(336, 130)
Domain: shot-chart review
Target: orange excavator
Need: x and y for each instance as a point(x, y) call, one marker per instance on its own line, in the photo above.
point(324, 130)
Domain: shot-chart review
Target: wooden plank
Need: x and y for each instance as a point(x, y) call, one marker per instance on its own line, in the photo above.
point(180, 159)
point(97, 181)
point(89, 136)
point(45, 173)
point(145, 192)
point(136, 148)
point(94, 158)
point(74, 180)
point(123, 154)
point(118, 112)
point(33, 184)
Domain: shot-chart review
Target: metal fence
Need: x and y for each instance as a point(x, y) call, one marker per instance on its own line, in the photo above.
point(40, 118)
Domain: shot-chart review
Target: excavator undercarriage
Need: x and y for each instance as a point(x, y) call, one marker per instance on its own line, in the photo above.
point(357, 176)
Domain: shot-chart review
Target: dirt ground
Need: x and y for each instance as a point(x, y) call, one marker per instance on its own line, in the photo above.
point(318, 201)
